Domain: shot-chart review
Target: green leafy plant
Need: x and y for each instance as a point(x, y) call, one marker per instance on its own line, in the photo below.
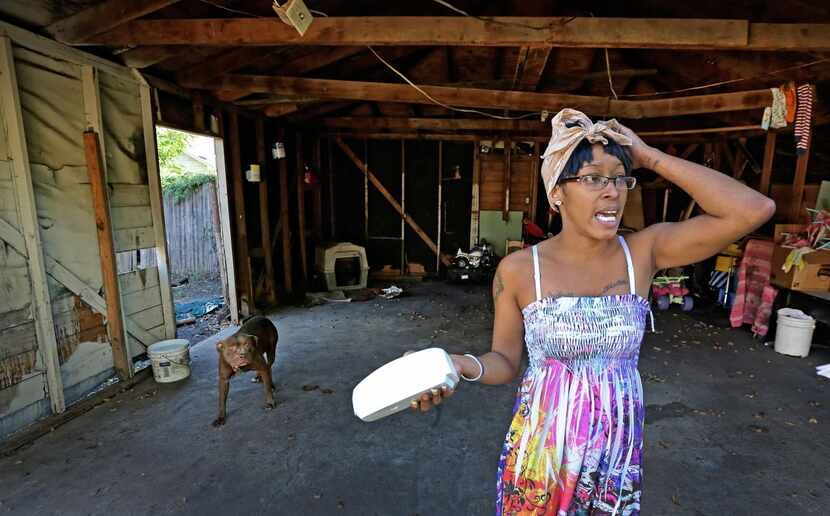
point(176, 180)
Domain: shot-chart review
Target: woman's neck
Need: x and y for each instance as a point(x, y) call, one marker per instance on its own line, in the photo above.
point(575, 247)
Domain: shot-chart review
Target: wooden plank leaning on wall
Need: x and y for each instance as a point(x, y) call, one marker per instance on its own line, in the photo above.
point(246, 283)
point(106, 251)
point(157, 206)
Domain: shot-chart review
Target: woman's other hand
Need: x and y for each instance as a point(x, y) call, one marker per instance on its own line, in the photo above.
point(640, 152)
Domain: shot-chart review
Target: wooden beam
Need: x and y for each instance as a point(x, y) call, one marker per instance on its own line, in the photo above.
point(284, 218)
point(106, 251)
point(300, 161)
point(226, 62)
point(508, 169)
point(475, 209)
point(332, 206)
point(102, 17)
point(223, 199)
point(481, 98)
point(535, 172)
point(157, 206)
point(357, 123)
point(264, 216)
point(590, 32)
point(27, 213)
point(530, 67)
point(390, 198)
point(318, 191)
point(242, 258)
point(796, 214)
point(142, 57)
point(769, 156)
point(278, 110)
point(440, 204)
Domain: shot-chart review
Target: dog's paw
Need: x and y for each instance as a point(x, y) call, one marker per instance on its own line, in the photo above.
point(270, 405)
point(219, 421)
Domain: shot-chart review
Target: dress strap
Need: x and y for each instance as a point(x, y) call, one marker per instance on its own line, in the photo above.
point(537, 275)
point(632, 283)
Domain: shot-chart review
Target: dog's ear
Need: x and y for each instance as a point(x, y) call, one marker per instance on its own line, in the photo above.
point(256, 339)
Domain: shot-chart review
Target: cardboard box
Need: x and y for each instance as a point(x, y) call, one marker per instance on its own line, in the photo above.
point(814, 277)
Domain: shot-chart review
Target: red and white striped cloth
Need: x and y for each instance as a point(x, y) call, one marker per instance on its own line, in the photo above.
point(804, 117)
point(755, 295)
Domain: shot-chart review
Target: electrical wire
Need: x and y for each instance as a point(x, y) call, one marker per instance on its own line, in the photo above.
point(231, 10)
point(608, 69)
point(447, 106)
point(731, 81)
point(547, 27)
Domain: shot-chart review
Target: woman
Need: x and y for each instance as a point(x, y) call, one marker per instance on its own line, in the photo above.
point(577, 301)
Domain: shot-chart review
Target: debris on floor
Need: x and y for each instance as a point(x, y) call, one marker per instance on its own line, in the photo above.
point(198, 307)
point(391, 292)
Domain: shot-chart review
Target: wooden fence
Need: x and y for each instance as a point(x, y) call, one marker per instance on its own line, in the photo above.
point(190, 237)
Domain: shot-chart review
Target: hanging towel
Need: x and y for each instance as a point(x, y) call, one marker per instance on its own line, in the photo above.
point(789, 94)
point(803, 119)
point(779, 109)
point(754, 297)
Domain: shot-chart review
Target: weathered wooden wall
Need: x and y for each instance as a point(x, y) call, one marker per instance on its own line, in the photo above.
point(55, 107)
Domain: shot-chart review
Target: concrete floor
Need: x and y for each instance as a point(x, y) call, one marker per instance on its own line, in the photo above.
point(728, 431)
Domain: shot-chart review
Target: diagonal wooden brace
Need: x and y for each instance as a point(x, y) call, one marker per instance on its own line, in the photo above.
point(383, 191)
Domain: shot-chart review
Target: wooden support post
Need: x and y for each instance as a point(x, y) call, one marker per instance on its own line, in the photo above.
point(390, 198)
point(365, 171)
point(284, 219)
point(440, 203)
point(198, 112)
point(157, 207)
point(690, 150)
point(318, 193)
point(298, 142)
point(769, 157)
point(332, 230)
point(27, 211)
point(243, 259)
point(534, 182)
point(218, 241)
point(475, 208)
point(796, 214)
point(403, 208)
point(508, 159)
point(223, 201)
point(264, 217)
point(106, 250)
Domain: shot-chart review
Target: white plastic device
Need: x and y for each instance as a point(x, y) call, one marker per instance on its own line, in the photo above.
point(392, 387)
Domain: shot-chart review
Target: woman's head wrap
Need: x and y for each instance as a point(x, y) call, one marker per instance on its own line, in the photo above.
point(565, 139)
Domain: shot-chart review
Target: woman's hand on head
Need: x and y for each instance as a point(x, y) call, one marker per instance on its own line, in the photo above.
point(640, 152)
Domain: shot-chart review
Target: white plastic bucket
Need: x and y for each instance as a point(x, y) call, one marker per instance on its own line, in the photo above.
point(170, 360)
point(795, 332)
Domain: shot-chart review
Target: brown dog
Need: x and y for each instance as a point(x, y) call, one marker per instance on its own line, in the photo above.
point(253, 347)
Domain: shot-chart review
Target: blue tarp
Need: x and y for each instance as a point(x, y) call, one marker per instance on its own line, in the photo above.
point(198, 307)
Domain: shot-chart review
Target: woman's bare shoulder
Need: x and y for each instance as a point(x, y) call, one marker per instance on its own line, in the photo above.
point(516, 269)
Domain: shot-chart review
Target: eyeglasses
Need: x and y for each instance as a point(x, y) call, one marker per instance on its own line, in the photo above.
point(596, 182)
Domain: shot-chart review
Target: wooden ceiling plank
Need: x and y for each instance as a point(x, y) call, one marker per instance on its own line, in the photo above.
point(215, 66)
point(142, 57)
point(671, 33)
point(102, 18)
point(496, 99)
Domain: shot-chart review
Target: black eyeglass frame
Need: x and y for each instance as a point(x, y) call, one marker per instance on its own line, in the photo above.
point(620, 182)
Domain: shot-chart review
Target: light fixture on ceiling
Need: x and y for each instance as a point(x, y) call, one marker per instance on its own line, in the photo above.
point(294, 13)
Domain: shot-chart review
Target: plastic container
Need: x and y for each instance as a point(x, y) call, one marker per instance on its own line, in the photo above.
point(794, 333)
point(170, 360)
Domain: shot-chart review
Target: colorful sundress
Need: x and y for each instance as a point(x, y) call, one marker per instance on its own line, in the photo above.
point(575, 442)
